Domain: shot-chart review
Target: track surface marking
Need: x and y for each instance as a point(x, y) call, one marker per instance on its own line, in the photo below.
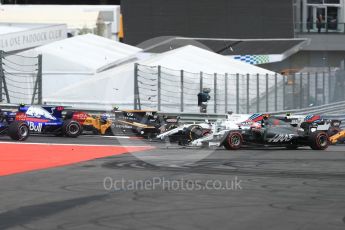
point(18, 158)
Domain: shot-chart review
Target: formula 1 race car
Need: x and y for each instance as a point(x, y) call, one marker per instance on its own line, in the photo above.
point(48, 120)
point(126, 122)
point(271, 132)
point(187, 133)
point(297, 120)
point(17, 130)
point(95, 124)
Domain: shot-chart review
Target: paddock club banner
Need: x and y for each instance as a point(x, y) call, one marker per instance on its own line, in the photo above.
point(32, 38)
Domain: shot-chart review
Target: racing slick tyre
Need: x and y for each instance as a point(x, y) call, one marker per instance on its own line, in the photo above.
point(233, 141)
point(69, 115)
point(19, 131)
point(319, 140)
point(71, 128)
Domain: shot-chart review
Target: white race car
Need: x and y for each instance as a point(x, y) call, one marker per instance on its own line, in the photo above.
point(196, 134)
point(221, 128)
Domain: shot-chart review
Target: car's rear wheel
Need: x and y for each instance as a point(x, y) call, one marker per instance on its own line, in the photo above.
point(233, 141)
point(71, 128)
point(19, 131)
point(69, 115)
point(319, 140)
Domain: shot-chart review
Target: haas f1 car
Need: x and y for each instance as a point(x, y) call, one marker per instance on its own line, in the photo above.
point(271, 132)
point(48, 120)
point(17, 130)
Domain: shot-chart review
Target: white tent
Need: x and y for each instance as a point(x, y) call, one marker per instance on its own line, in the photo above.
point(72, 60)
point(116, 85)
point(86, 54)
point(111, 87)
point(195, 60)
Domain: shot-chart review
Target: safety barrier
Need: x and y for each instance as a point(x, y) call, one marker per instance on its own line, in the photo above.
point(329, 111)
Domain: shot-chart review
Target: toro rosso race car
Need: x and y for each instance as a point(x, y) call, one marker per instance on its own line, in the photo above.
point(126, 122)
point(270, 132)
point(17, 130)
point(48, 120)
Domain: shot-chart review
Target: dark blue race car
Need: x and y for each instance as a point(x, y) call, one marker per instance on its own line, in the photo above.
point(17, 130)
point(48, 120)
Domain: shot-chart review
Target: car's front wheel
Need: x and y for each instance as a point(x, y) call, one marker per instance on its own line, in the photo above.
point(233, 141)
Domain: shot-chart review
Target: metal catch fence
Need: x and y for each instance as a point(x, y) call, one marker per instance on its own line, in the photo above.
point(165, 89)
point(20, 78)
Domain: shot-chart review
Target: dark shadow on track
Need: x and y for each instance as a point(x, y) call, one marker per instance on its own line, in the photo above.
point(31, 213)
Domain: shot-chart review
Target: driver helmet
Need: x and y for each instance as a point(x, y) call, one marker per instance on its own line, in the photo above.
point(104, 117)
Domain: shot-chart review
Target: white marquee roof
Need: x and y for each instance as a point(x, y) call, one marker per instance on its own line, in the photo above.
point(86, 54)
point(194, 59)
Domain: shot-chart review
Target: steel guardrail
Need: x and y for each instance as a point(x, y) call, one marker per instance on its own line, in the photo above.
point(330, 111)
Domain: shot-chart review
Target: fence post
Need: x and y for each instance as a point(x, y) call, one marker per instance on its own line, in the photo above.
point(257, 93)
point(215, 92)
point(267, 92)
point(275, 92)
point(1, 74)
point(35, 91)
point(316, 80)
point(40, 79)
point(6, 89)
point(201, 81)
point(159, 88)
point(301, 94)
point(308, 90)
point(237, 93)
point(226, 93)
point(293, 90)
point(284, 91)
point(136, 90)
point(323, 88)
point(248, 105)
point(182, 91)
point(329, 87)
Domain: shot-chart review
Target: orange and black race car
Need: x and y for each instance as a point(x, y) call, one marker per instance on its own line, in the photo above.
point(126, 122)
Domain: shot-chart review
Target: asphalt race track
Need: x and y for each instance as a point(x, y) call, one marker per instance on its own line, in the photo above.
point(184, 188)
